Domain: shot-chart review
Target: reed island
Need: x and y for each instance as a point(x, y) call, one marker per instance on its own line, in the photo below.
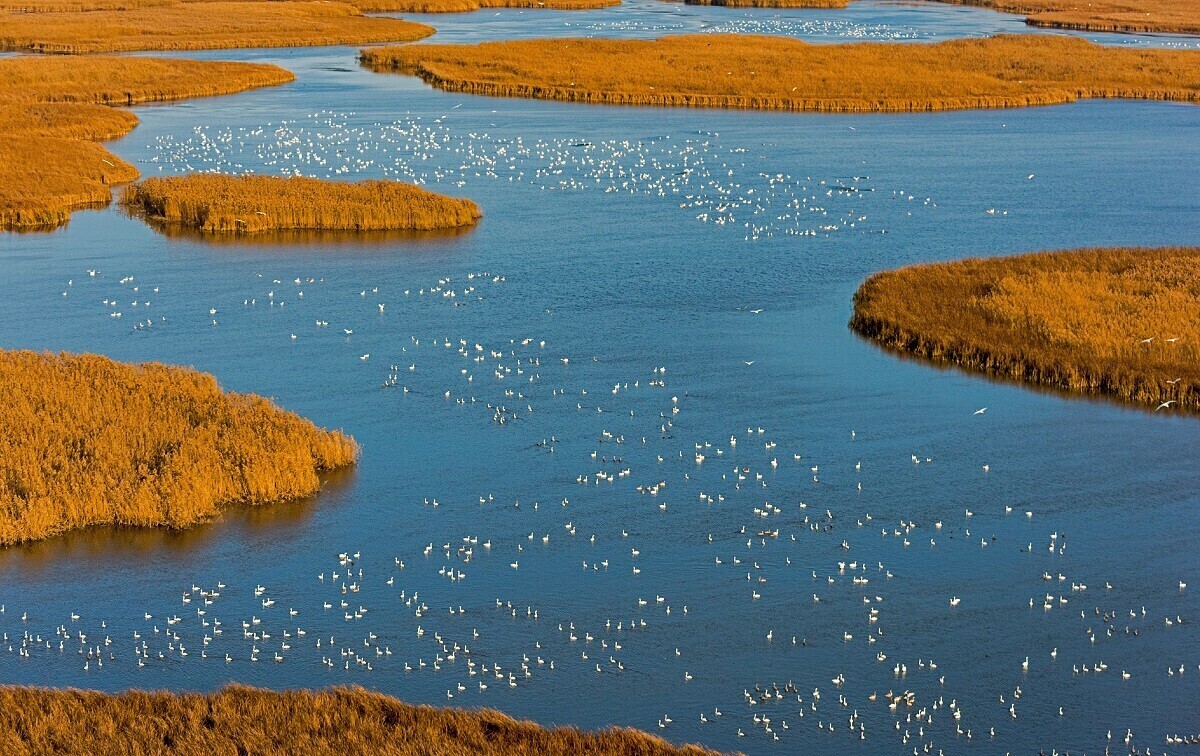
point(775, 73)
point(1129, 16)
point(1117, 323)
point(85, 440)
point(222, 204)
point(465, 6)
point(335, 721)
point(54, 111)
point(117, 26)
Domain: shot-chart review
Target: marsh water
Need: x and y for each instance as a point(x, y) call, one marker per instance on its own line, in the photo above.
point(548, 407)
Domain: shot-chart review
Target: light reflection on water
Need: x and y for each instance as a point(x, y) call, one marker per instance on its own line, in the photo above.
point(621, 284)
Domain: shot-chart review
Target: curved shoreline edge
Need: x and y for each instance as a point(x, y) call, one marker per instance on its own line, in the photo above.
point(1112, 323)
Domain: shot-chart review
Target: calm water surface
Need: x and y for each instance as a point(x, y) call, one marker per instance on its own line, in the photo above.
point(647, 288)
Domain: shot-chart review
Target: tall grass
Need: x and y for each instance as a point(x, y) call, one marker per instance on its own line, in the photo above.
point(113, 80)
point(334, 722)
point(88, 441)
point(217, 203)
point(43, 178)
point(48, 105)
point(773, 73)
point(202, 26)
point(1077, 320)
point(463, 6)
point(1154, 16)
point(769, 3)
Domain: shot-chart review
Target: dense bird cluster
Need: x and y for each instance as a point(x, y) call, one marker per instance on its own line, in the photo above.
point(715, 183)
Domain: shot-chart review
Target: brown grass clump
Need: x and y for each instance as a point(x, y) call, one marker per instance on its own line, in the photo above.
point(88, 441)
point(202, 26)
point(241, 719)
point(48, 105)
point(217, 203)
point(1077, 320)
point(1156, 16)
point(43, 178)
point(774, 73)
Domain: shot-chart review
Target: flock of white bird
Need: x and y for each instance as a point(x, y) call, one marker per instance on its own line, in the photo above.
point(791, 542)
point(727, 186)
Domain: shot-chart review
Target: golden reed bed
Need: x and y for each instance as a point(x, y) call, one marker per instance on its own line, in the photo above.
point(333, 722)
point(88, 441)
point(463, 6)
point(202, 26)
point(774, 73)
point(49, 106)
point(1155, 16)
point(1121, 323)
point(827, 4)
point(216, 203)
point(366, 6)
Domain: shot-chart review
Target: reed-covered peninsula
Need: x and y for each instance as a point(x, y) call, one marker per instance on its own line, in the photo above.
point(1121, 323)
point(336, 721)
point(1153, 16)
point(53, 110)
point(218, 203)
point(774, 73)
point(88, 441)
point(201, 26)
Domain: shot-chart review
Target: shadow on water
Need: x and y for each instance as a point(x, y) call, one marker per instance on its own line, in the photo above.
point(305, 237)
point(1095, 398)
point(237, 521)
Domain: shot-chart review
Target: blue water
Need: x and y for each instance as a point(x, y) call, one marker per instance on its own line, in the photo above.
point(617, 239)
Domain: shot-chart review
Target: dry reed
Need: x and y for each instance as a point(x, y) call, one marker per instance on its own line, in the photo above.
point(463, 6)
point(1155, 16)
point(217, 203)
point(1076, 320)
point(202, 26)
point(88, 441)
point(773, 73)
point(48, 104)
point(333, 722)
point(829, 4)
point(77, 6)
point(43, 178)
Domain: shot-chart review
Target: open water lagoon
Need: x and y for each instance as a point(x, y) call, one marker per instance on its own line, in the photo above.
point(623, 462)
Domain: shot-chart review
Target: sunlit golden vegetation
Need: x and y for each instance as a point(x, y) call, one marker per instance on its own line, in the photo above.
point(218, 203)
point(240, 719)
point(88, 441)
point(774, 73)
point(202, 26)
point(1161, 16)
point(462, 6)
point(366, 6)
point(769, 3)
point(1118, 322)
point(49, 105)
point(43, 178)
